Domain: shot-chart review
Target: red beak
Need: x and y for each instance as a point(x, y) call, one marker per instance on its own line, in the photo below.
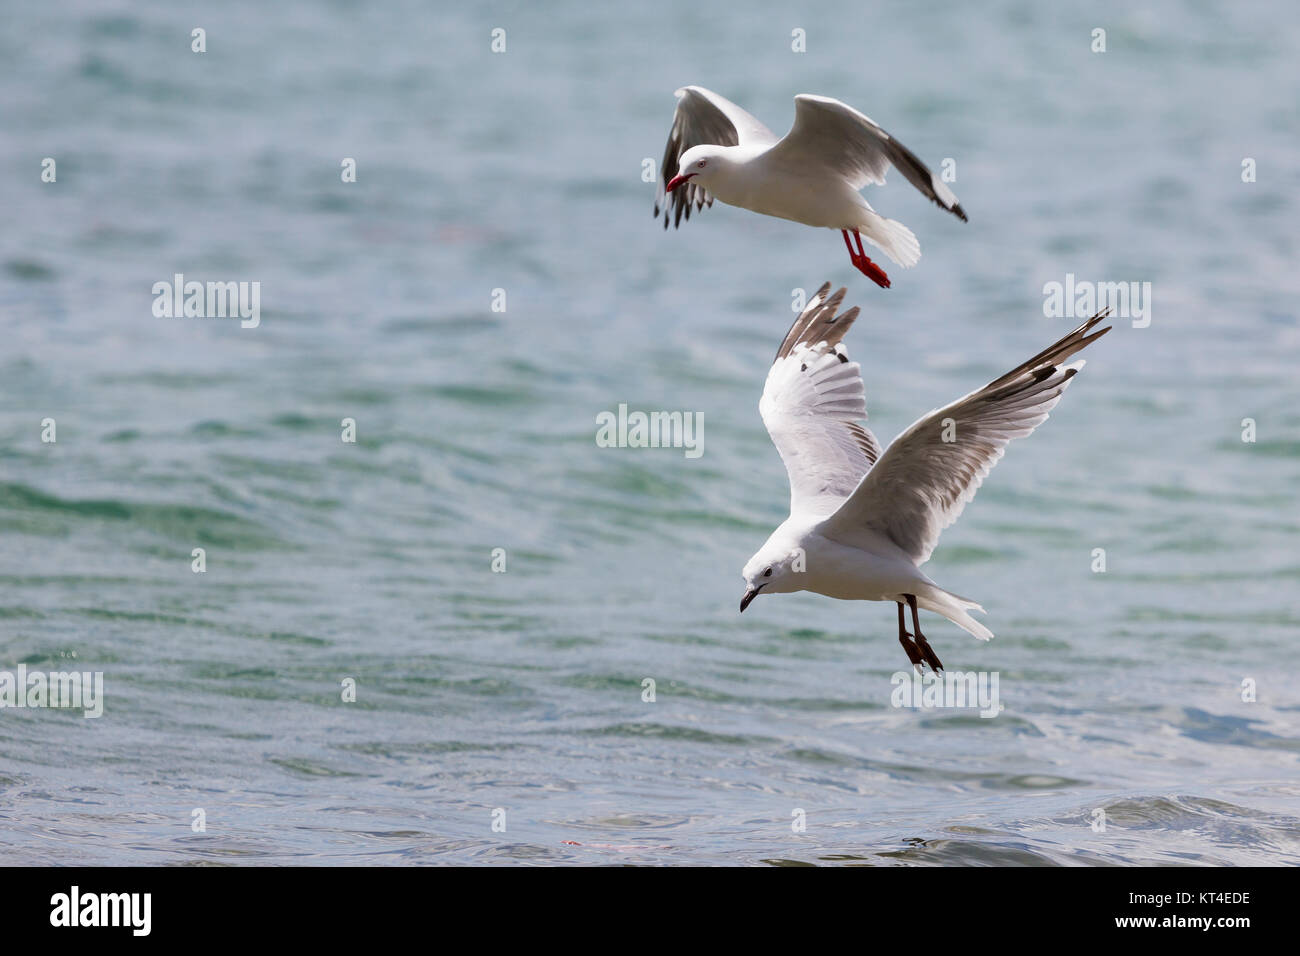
point(676, 181)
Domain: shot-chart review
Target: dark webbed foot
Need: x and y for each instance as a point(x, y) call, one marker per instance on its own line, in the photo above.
point(914, 653)
point(923, 646)
point(931, 657)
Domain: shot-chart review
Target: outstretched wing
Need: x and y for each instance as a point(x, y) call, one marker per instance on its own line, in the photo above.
point(834, 135)
point(812, 403)
point(928, 474)
point(702, 118)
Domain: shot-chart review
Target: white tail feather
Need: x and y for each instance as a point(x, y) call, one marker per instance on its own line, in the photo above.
point(954, 608)
point(893, 239)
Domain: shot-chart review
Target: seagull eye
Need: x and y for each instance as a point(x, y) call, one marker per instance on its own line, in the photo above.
point(767, 573)
point(701, 163)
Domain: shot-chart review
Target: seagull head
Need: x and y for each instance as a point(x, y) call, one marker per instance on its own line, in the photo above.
point(775, 568)
point(698, 163)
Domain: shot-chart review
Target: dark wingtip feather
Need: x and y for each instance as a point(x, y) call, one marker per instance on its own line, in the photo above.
point(1089, 339)
point(1054, 355)
point(818, 322)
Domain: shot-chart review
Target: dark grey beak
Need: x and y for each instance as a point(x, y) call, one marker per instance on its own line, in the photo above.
point(749, 596)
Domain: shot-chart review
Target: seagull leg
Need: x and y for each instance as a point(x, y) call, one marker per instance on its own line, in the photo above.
point(931, 657)
point(913, 652)
point(864, 264)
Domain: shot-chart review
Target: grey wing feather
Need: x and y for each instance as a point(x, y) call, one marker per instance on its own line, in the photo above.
point(928, 474)
point(836, 135)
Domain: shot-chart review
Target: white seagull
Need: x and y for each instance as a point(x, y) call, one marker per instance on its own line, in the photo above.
point(862, 521)
point(812, 176)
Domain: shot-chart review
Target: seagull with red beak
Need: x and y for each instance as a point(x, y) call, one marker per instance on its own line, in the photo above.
point(813, 175)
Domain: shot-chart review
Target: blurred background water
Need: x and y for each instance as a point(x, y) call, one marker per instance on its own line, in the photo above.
point(522, 691)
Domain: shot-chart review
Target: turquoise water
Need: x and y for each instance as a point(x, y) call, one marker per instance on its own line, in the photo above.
point(521, 691)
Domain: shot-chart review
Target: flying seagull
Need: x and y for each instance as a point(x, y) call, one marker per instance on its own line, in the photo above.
point(862, 520)
point(812, 176)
